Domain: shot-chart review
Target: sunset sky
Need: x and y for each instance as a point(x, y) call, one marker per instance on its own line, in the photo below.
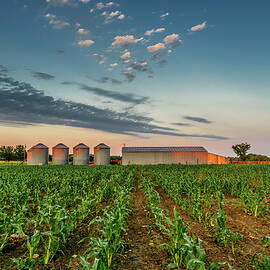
point(139, 73)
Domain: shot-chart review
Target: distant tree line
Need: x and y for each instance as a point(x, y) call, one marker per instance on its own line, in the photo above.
point(11, 153)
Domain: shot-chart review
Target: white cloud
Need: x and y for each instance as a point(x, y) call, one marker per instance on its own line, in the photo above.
point(61, 2)
point(82, 32)
point(127, 61)
point(198, 27)
point(172, 40)
point(85, 1)
point(56, 22)
point(78, 25)
point(110, 16)
point(113, 65)
point(99, 58)
point(100, 5)
point(125, 55)
point(164, 15)
point(156, 47)
point(92, 10)
point(158, 30)
point(125, 41)
point(121, 17)
point(85, 43)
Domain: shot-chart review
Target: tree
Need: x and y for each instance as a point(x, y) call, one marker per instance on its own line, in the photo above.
point(19, 152)
point(6, 152)
point(241, 150)
point(12, 153)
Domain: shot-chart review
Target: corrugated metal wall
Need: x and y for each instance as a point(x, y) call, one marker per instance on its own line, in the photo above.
point(164, 158)
point(216, 159)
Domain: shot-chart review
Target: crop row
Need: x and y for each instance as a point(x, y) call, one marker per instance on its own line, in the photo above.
point(43, 206)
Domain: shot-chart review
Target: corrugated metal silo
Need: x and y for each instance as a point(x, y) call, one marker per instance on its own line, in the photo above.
point(102, 154)
point(60, 154)
point(81, 154)
point(38, 155)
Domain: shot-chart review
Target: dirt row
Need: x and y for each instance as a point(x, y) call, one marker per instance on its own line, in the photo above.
point(142, 239)
point(252, 229)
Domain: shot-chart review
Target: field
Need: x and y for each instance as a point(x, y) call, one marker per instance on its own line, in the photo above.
point(135, 217)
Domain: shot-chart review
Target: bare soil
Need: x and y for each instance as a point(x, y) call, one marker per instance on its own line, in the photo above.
point(141, 241)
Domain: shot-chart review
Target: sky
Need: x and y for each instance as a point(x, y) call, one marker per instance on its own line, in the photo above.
point(135, 73)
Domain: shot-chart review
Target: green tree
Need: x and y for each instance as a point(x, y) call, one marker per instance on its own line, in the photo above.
point(7, 152)
point(241, 150)
point(19, 152)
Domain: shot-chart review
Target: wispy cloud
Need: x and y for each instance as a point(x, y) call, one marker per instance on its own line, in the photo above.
point(106, 79)
point(100, 58)
point(125, 55)
point(85, 43)
point(182, 124)
point(156, 47)
point(71, 3)
point(197, 119)
point(158, 30)
point(125, 41)
point(164, 15)
point(22, 104)
point(43, 76)
point(198, 27)
point(172, 40)
point(82, 32)
point(110, 16)
point(160, 54)
point(123, 97)
point(56, 22)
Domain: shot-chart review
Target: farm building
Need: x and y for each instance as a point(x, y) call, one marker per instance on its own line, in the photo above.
point(81, 154)
point(102, 154)
point(168, 155)
point(38, 155)
point(60, 154)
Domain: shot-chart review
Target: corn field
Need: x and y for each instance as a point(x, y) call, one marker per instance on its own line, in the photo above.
point(135, 217)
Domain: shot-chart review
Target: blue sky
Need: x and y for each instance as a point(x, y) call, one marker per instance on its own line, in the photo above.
point(136, 72)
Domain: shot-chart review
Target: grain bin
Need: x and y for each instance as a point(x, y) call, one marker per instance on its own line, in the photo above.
point(60, 154)
point(38, 155)
point(102, 154)
point(81, 154)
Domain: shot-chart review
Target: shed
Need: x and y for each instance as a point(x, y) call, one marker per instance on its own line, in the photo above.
point(164, 155)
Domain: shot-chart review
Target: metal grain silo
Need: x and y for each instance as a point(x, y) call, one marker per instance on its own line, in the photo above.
point(102, 154)
point(81, 154)
point(60, 154)
point(38, 155)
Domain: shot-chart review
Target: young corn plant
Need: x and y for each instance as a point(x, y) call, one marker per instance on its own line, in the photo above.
point(223, 234)
point(113, 223)
point(32, 245)
point(260, 261)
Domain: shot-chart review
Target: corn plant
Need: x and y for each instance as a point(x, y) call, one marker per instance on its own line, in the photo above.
point(32, 245)
point(260, 261)
point(223, 234)
point(113, 223)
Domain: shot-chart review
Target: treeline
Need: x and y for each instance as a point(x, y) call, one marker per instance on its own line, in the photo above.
point(252, 157)
point(11, 153)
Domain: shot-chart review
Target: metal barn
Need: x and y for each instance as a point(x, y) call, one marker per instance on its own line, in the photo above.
point(164, 155)
point(38, 155)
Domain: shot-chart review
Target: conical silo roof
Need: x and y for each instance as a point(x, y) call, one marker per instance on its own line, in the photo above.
point(103, 146)
point(60, 146)
point(38, 146)
point(81, 146)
